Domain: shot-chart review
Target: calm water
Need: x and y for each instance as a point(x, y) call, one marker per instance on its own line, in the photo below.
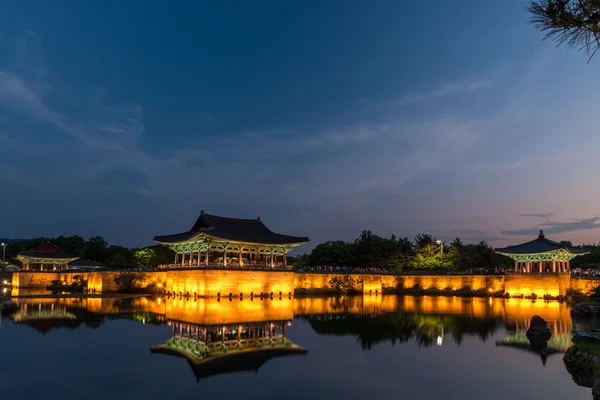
point(357, 347)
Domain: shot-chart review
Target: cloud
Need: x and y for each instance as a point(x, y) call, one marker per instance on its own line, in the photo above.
point(443, 91)
point(323, 174)
point(468, 232)
point(537, 215)
point(558, 227)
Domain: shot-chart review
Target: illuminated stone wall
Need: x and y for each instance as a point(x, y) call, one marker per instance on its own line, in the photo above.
point(100, 282)
point(586, 286)
point(526, 285)
point(491, 283)
point(209, 282)
point(43, 279)
point(318, 282)
point(370, 283)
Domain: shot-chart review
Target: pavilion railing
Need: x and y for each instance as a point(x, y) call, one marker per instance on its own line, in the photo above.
point(235, 266)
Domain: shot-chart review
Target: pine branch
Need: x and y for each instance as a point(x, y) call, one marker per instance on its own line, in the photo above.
point(575, 23)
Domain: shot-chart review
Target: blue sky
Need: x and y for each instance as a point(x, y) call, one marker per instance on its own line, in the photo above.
point(323, 117)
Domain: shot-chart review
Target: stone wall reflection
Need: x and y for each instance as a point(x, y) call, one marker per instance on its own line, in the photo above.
point(515, 312)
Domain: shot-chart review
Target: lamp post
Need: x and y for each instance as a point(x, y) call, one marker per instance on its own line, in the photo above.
point(441, 246)
point(3, 251)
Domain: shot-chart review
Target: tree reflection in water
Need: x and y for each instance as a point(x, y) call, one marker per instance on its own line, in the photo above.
point(426, 330)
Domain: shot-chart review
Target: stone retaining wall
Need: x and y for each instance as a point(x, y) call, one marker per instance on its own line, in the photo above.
point(210, 282)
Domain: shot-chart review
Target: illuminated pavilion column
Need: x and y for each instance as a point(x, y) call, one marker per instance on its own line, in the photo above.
point(182, 259)
point(516, 266)
point(207, 255)
point(272, 257)
point(224, 258)
point(553, 266)
point(240, 258)
point(199, 257)
point(284, 259)
point(568, 266)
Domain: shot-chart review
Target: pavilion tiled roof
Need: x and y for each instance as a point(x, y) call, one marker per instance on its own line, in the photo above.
point(233, 361)
point(541, 245)
point(47, 250)
point(234, 229)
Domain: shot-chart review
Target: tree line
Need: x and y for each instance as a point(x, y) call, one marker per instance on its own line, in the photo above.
point(97, 249)
point(367, 251)
point(424, 252)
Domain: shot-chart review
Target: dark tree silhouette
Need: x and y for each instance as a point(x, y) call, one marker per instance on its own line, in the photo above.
point(575, 23)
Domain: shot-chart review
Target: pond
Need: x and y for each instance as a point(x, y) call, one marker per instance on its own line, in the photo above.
point(353, 347)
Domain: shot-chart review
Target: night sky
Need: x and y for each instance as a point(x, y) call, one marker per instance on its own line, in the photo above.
point(324, 118)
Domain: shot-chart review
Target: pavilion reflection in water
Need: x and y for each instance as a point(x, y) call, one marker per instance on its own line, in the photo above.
point(44, 315)
point(244, 346)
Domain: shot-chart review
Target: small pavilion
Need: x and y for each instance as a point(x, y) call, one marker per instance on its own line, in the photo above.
point(44, 317)
point(224, 241)
point(542, 256)
point(46, 257)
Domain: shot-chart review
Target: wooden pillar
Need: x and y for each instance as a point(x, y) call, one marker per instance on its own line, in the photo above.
point(239, 332)
point(568, 266)
point(554, 266)
point(176, 256)
point(207, 255)
point(197, 334)
point(540, 266)
point(283, 325)
point(516, 266)
point(182, 259)
point(224, 258)
point(199, 257)
point(284, 260)
point(174, 329)
point(272, 255)
point(223, 334)
point(240, 260)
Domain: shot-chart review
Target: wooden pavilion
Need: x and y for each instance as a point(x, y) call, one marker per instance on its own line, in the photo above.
point(542, 256)
point(224, 241)
point(46, 257)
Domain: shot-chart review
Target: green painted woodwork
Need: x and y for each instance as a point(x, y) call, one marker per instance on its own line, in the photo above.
point(42, 260)
point(555, 255)
point(193, 246)
point(199, 349)
point(206, 242)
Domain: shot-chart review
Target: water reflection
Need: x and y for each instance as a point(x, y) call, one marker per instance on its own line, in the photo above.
point(371, 319)
point(218, 349)
point(219, 337)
